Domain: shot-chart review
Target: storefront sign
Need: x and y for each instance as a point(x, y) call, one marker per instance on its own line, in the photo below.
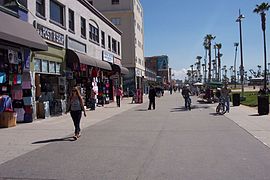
point(76, 45)
point(107, 57)
point(50, 35)
point(117, 61)
point(138, 72)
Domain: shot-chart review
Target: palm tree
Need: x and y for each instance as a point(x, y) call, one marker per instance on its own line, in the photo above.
point(261, 9)
point(199, 65)
point(219, 46)
point(207, 45)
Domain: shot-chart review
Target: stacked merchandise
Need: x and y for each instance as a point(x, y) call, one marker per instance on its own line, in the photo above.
point(27, 97)
point(17, 84)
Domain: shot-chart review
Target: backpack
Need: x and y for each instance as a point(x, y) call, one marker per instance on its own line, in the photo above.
point(5, 103)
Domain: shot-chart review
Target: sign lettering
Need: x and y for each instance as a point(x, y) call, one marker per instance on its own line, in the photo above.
point(51, 35)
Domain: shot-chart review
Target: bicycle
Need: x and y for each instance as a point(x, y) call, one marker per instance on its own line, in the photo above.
point(221, 107)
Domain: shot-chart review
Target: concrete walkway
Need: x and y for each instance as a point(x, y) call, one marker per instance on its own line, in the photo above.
point(248, 119)
point(18, 140)
point(21, 139)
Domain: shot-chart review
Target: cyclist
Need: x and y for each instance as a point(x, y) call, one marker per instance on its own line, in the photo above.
point(186, 93)
point(225, 94)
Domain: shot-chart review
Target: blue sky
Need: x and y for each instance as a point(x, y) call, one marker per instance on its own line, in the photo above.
point(177, 28)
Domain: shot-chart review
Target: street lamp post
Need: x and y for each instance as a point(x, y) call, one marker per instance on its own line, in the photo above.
point(235, 55)
point(239, 20)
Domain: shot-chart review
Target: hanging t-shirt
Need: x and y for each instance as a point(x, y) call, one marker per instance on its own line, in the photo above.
point(27, 101)
point(19, 79)
point(20, 114)
point(27, 92)
point(17, 103)
point(17, 94)
point(26, 84)
point(3, 77)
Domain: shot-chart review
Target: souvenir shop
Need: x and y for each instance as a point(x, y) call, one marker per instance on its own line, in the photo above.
point(50, 90)
point(15, 76)
point(15, 81)
point(91, 75)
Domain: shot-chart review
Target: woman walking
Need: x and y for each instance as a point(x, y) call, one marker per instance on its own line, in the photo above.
point(119, 94)
point(75, 106)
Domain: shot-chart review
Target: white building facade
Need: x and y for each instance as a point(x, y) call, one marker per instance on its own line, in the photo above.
point(84, 49)
point(127, 15)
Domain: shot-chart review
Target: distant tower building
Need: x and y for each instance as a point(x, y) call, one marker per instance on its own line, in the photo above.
point(160, 64)
point(128, 17)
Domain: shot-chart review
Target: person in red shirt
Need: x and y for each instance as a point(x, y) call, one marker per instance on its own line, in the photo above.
point(119, 94)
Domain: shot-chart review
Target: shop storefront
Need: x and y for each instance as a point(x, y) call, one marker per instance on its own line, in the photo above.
point(48, 66)
point(50, 88)
point(89, 73)
point(15, 75)
point(115, 78)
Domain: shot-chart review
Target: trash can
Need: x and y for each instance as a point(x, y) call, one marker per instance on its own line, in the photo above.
point(263, 104)
point(236, 99)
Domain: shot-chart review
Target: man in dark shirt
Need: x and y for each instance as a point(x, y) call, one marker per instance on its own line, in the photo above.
point(152, 96)
point(186, 93)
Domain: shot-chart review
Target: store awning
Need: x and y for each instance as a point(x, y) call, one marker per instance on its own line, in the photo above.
point(103, 65)
point(124, 70)
point(19, 32)
point(73, 56)
point(84, 59)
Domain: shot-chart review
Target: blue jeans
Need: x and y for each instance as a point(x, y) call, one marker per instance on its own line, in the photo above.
point(187, 100)
point(76, 117)
point(227, 103)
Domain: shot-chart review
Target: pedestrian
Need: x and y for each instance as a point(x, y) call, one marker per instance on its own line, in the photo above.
point(75, 107)
point(93, 99)
point(225, 93)
point(152, 96)
point(171, 89)
point(119, 94)
point(186, 95)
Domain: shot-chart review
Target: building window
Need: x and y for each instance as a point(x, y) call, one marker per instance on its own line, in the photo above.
point(83, 27)
point(118, 48)
point(102, 39)
point(93, 33)
point(139, 44)
point(40, 7)
point(57, 12)
point(109, 42)
point(91, 2)
point(138, 27)
point(116, 21)
point(115, 1)
point(114, 44)
point(71, 20)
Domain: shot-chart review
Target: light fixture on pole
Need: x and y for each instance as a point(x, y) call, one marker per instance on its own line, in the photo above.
point(235, 55)
point(239, 20)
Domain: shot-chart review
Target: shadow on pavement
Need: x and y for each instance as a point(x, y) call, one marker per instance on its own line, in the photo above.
point(215, 114)
point(254, 115)
point(141, 110)
point(181, 109)
point(55, 140)
point(193, 107)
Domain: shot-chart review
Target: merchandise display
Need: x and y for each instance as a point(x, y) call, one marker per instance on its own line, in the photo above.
point(15, 86)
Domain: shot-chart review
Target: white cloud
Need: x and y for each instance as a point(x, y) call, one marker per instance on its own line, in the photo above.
point(179, 74)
